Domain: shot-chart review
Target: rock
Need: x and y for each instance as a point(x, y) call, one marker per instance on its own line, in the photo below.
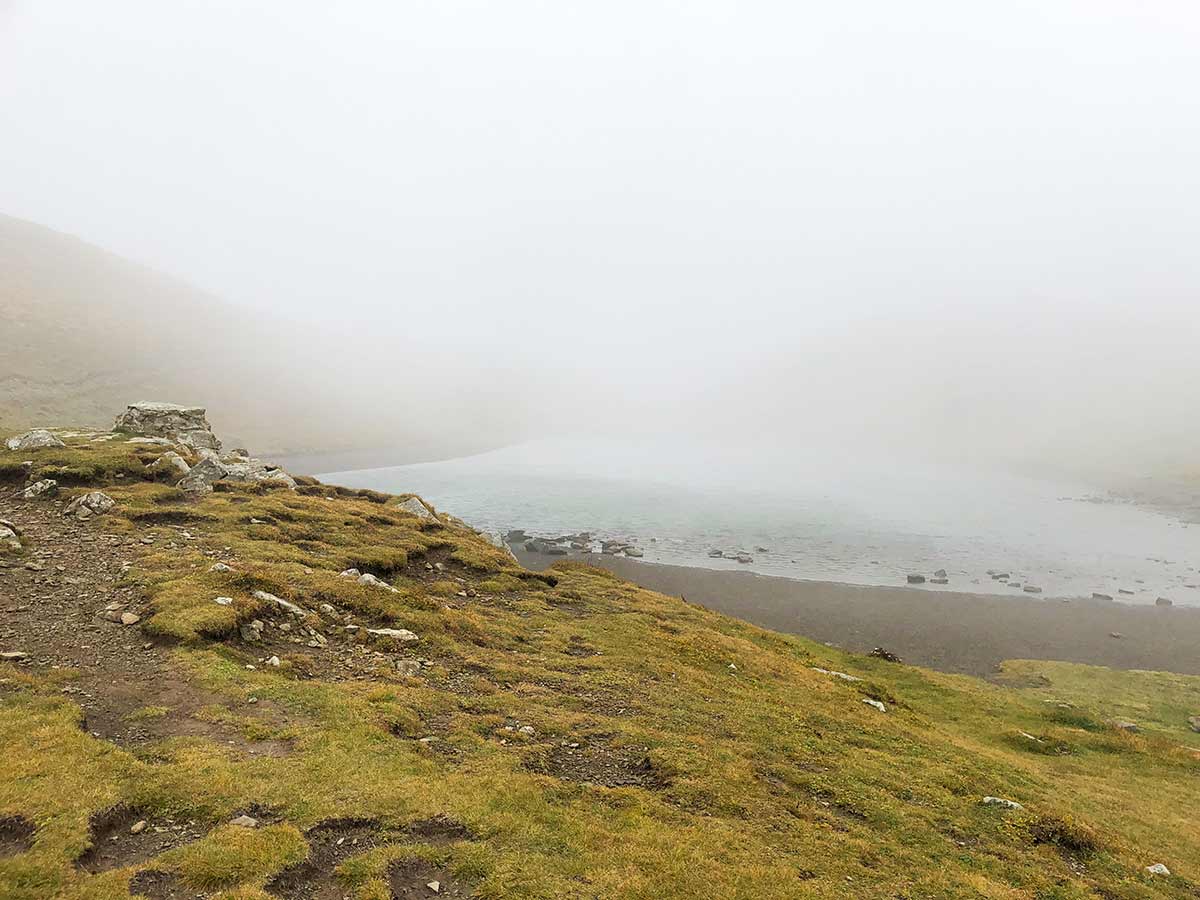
point(138, 827)
point(41, 490)
point(185, 424)
point(939, 580)
point(273, 661)
point(835, 674)
point(875, 703)
point(349, 573)
point(916, 579)
point(201, 476)
point(1158, 869)
point(1098, 596)
point(1163, 601)
point(1194, 722)
point(744, 558)
point(396, 635)
point(940, 573)
point(252, 631)
point(220, 567)
point(223, 601)
point(1000, 801)
point(13, 655)
point(128, 618)
point(410, 668)
point(245, 822)
point(371, 581)
point(280, 602)
point(516, 536)
point(999, 576)
point(1131, 727)
point(1127, 593)
point(1030, 589)
point(414, 507)
point(756, 549)
point(170, 464)
point(1116, 634)
point(435, 886)
point(715, 554)
point(633, 552)
point(255, 471)
point(497, 540)
point(9, 540)
point(880, 653)
point(38, 439)
point(93, 503)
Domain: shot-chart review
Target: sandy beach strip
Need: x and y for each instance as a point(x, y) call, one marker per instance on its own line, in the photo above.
point(953, 632)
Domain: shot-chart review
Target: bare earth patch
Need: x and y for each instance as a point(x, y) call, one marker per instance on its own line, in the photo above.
point(16, 835)
point(597, 763)
point(114, 845)
point(329, 845)
point(155, 885)
point(413, 877)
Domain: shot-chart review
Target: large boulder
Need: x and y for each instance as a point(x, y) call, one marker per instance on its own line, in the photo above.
point(186, 424)
point(93, 503)
point(38, 439)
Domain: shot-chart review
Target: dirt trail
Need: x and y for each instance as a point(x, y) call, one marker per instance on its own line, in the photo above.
point(55, 603)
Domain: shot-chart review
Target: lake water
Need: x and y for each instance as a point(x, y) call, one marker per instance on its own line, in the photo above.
point(823, 517)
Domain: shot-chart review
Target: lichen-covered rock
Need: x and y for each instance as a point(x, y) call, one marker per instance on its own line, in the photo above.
point(186, 424)
point(393, 635)
point(38, 439)
point(201, 476)
point(93, 503)
point(41, 490)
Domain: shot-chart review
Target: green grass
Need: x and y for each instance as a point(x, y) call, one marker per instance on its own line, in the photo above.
point(763, 777)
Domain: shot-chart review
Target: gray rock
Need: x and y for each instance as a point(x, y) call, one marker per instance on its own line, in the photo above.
point(245, 822)
point(223, 601)
point(1096, 595)
point(264, 597)
point(252, 632)
point(939, 580)
point(1030, 589)
point(220, 567)
point(200, 478)
point(185, 424)
point(255, 471)
point(371, 581)
point(408, 667)
point(836, 674)
point(715, 554)
point(170, 464)
point(414, 507)
point(93, 503)
point(916, 579)
point(875, 703)
point(41, 490)
point(1163, 601)
point(940, 573)
point(397, 635)
point(9, 540)
point(1131, 727)
point(634, 552)
point(1158, 869)
point(1000, 801)
point(38, 439)
point(1194, 722)
point(744, 558)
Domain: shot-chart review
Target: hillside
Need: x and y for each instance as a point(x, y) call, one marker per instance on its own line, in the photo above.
point(83, 331)
point(510, 734)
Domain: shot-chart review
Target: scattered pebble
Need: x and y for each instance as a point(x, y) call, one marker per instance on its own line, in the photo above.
point(245, 822)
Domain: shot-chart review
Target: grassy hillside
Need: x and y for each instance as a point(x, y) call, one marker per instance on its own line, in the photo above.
point(554, 735)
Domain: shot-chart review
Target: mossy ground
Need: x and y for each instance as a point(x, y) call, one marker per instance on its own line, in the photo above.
point(594, 740)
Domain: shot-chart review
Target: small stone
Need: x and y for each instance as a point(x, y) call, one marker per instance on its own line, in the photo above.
point(220, 567)
point(128, 618)
point(1030, 589)
point(93, 503)
point(410, 668)
point(43, 489)
point(138, 827)
point(434, 886)
point(399, 635)
point(1115, 634)
point(1131, 727)
point(18, 655)
point(273, 661)
point(875, 703)
point(940, 573)
point(1194, 723)
point(1158, 869)
point(526, 729)
point(223, 601)
point(1000, 801)
point(245, 822)
point(916, 579)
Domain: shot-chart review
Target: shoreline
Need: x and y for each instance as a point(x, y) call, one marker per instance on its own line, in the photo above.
point(951, 631)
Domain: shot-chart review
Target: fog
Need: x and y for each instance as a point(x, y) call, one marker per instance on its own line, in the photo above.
point(943, 228)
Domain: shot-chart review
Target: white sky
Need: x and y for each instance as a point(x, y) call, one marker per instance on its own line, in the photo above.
point(945, 204)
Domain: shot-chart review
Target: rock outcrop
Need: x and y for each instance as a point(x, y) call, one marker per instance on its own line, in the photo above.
point(237, 468)
point(40, 490)
point(185, 424)
point(414, 507)
point(38, 439)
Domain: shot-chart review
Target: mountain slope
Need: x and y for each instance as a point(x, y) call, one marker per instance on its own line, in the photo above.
point(515, 735)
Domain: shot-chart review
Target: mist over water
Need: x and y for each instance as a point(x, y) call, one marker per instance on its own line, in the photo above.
point(855, 518)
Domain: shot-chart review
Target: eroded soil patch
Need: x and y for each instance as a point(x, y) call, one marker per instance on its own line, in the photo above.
point(597, 763)
point(411, 878)
point(329, 845)
point(155, 885)
point(16, 835)
point(115, 845)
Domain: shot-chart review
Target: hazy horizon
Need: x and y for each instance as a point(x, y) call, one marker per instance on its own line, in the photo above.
point(948, 230)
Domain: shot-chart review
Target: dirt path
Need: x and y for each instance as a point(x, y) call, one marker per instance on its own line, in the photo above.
point(58, 603)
